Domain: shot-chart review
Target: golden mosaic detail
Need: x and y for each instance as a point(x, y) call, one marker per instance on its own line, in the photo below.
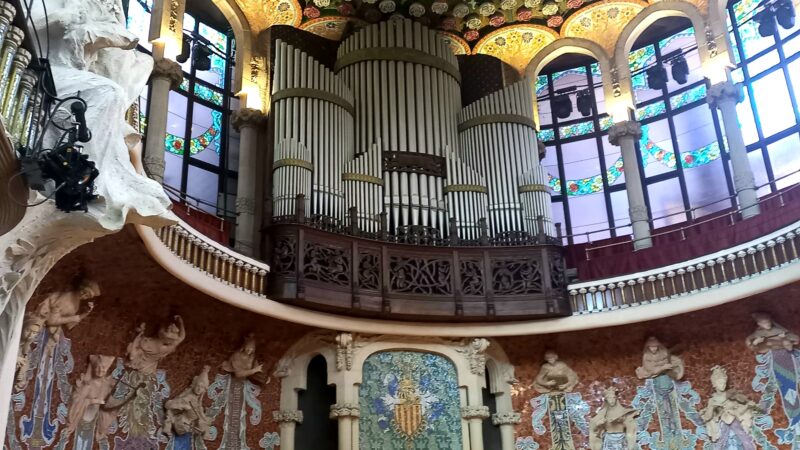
point(262, 14)
point(332, 27)
point(516, 45)
point(457, 44)
point(602, 22)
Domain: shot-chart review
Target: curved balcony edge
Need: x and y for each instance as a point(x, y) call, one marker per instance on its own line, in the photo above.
point(720, 293)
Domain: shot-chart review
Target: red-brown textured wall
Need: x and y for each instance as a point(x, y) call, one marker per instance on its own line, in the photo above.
point(136, 289)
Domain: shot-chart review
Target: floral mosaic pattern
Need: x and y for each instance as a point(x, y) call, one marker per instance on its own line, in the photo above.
point(393, 382)
point(563, 411)
point(515, 45)
point(776, 376)
point(208, 94)
point(176, 144)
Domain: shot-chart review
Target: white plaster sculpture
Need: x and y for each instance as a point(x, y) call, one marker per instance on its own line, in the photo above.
point(614, 426)
point(728, 411)
point(242, 363)
point(85, 411)
point(770, 336)
point(554, 375)
point(144, 353)
point(658, 360)
point(185, 413)
point(344, 351)
point(57, 311)
point(84, 36)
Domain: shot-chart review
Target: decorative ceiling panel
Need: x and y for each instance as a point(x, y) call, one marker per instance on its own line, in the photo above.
point(516, 45)
point(602, 22)
point(456, 43)
point(262, 14)
point(330, 27)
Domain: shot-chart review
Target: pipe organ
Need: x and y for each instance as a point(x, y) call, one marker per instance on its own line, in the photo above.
point(381, 142)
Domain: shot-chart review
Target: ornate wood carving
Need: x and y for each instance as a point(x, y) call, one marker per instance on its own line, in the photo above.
point(369, 276)
point(516, 276)
point(472, 279)
point(415, 275)
point(284, 255)
point(412, 162)
point(326, 263)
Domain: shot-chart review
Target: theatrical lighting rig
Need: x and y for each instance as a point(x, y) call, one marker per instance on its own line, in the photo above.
point(781, 10)
point(198, 47)
point(680, 69)
point(657, 77)
point(584, 102)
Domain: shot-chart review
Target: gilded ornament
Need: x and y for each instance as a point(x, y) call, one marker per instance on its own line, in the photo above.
point(497, 19)
point(525, 14)
point(550, 8)
point(460, 10)
point(439, 7)
point(311, 12)
point(486, 9)
point(322, 3)
point(532, 3)
point(448, 24)
point(555, 21)
point(473, 22)
point(508, 5)
point(574, 4)
point(500, 41)
point(387, 6)
point(416, 9)
point(471, 35)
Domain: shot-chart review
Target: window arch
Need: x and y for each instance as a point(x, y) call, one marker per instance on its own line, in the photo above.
point(317, 431)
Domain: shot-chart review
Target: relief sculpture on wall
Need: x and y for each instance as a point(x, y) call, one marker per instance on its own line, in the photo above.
point(186, 422)
point(777, 372)
point(614, 426)
point(89, 417)
point(729, 415)
point(45, 354)
point(666, 397)
point(555, 382)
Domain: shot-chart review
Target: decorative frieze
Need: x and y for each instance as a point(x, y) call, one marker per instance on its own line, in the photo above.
point(345, 410)
point(475, 412)
point(626, 129)
point(506, 418)
point(285, 416)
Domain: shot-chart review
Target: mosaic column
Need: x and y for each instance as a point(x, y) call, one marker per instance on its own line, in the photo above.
point(166, 75)
point(346, 415)
point(725, 96)
point(475, 416)
point(247, 121)
point(287, 420)
point(625, 134)
point(507, 421)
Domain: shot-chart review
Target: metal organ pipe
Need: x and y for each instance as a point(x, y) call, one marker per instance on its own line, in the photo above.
point(400, 72)
point(499, 140)
point(314, 108)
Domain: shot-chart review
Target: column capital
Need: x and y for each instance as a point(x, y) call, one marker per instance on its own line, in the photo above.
point(247, 117)
point(286, 415)
point(628, 128)
point(345, 410)
point(725, 91)
point(169, 69)
point(475, 412)
point(506, 418)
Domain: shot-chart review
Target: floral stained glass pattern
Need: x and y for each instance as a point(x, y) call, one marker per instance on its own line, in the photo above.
point(208, 94)
point(409, 401)
point(651, 110)
point(650, 153)
point(547, 135)
point(577, 129)
point(176, 144)
point(692, 95)
point(217, 39)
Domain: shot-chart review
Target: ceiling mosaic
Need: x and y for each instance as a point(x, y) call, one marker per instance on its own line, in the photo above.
point(262, 14)
point(516, 44)
point(600, 21)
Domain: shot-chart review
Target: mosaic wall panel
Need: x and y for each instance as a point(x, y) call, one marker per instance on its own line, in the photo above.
point(409, 400)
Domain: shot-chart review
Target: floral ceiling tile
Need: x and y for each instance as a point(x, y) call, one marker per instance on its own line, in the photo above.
point(516, 44)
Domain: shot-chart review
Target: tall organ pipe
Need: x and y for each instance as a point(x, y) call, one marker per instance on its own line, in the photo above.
point(499, 140)
point(400, 72)
point(314, 106)
point(292, 171)
point(466, 196)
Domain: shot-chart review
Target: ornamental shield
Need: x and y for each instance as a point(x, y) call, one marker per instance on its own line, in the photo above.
point(408, 410)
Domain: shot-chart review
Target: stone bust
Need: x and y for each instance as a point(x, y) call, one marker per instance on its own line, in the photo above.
point(658, 360)
point(554, 375)
point(770, 336)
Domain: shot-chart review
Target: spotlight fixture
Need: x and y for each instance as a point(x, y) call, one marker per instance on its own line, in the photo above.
point(561, 105)
point(186, 46)
point(766, 22)
point(785, 13)
point(680, 69)
point(201, 57)
point(657, 77)
point(584, 102)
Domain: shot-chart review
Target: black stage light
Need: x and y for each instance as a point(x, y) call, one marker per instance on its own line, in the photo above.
point(201, 57)
point(785, 13)
point(680, 69)
point(561, 105)
point(766, 22)
point(657, 77)
point(584, 102)
point(186, 46)
point(74, 176)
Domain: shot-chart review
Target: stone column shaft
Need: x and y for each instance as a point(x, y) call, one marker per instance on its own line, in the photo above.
point(288, 421)
point(474, 415)
point(507, 421)
point(166, 75)
point(247, 121)
point(625, 134)
point(725, 96)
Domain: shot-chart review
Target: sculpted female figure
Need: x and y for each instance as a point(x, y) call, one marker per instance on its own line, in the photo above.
point(242, 363)
point(144, 353)
point(729, 414)
point(185, 413)
point(658, 360)
point(614, 426)
point(554, 375)
point(770, 336)
point(86, 413)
